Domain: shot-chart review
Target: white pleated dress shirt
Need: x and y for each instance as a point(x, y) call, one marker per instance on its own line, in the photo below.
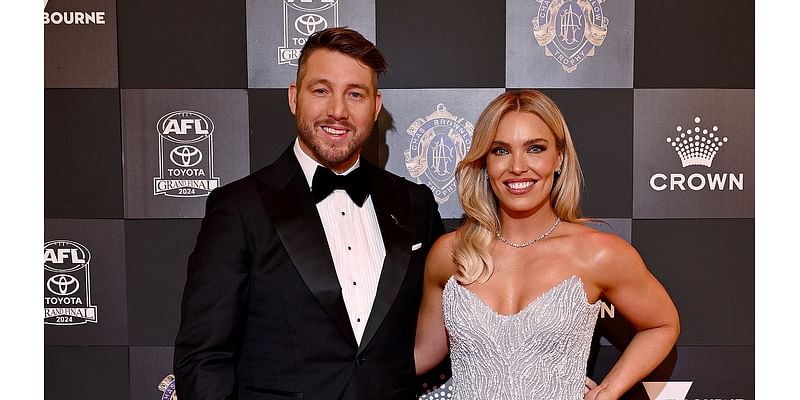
point(356, 245)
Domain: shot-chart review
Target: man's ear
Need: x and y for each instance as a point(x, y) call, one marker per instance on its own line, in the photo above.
point(292, 93)
point(378, 104)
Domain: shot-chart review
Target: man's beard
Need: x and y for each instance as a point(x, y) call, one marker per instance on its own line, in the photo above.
point(327, 154)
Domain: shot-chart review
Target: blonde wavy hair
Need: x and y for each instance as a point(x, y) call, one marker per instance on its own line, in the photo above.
point(471, 249)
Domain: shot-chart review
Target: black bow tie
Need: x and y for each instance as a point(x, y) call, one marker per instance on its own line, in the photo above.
point(356, 183)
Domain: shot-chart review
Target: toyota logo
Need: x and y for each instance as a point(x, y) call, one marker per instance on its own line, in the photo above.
point(62, 285)
point(186, 156)
point(310, 23)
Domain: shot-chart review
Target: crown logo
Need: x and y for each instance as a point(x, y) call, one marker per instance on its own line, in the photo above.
point(696, 145)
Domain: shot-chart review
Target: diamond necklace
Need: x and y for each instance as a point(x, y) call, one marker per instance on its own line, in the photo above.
point(529, 242)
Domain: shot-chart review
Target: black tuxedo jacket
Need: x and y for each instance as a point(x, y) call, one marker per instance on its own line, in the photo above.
point(262, 314)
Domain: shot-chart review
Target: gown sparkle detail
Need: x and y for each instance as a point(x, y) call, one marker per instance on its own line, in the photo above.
point(538, 353)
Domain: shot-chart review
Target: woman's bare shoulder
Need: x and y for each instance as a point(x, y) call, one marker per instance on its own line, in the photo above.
point(603, 257)
point(440, 262)
point(594, 247)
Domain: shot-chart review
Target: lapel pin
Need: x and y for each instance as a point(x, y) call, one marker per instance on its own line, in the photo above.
point(396, 221)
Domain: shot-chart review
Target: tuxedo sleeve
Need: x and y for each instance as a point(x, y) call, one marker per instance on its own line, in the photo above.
point(214, 303)
point(433, 220)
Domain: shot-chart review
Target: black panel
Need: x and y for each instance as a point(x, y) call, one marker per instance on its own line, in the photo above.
point(442, 44)
point(82, 154)
point(451, 225)
point(182, 44)
point(86, 373)
point(272, 125)
point(708, 268)
point(601, 124)
point(695, 44)
point(157, 252)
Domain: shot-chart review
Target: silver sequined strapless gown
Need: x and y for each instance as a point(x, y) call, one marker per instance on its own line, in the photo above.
point(539, 353)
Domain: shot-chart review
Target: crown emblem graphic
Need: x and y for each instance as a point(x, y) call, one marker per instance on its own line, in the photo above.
point(696, 145)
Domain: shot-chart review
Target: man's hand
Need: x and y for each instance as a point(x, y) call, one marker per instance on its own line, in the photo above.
point(592, 391)
point(589, 384)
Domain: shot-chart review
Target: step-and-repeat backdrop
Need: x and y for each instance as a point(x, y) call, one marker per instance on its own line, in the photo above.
point(150, 105)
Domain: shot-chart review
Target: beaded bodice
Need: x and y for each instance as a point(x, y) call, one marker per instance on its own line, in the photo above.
point(539, 353)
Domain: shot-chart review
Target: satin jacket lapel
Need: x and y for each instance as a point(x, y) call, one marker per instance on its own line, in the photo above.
point(393, 210)
point(289, 204)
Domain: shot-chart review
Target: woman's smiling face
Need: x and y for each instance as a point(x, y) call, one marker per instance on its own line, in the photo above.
point(521, 163)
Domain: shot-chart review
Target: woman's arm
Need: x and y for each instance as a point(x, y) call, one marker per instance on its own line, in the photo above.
point(431, 344)
point(644, 302)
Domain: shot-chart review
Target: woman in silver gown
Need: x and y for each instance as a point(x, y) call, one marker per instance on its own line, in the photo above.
point(515, 291)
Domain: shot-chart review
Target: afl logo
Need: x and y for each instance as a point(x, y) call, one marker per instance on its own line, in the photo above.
point(62, 256)
point(67, 300)
point(438, 143)
point(185, 126)
point(185, 139)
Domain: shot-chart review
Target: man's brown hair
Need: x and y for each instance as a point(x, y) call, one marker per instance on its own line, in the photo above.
point(346, 41)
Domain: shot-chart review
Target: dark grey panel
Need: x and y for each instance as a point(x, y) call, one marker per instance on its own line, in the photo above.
point(272, 125)
point(553, 44)
point(182, 44)
point(148, 368)
point(82, 163)
point(693, 153)
point(80, 43)
point(157, 252)
point(100, 287)
point(695, 44)
point(178, 146)
point(442, 44)
point(277, 30)
point(86, 373)
point(707, 266)
point(618, 226)
point(709, 372)
point(601, 124)
point(451, 224)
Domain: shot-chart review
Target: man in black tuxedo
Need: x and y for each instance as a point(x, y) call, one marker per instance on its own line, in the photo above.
point(306, 278)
